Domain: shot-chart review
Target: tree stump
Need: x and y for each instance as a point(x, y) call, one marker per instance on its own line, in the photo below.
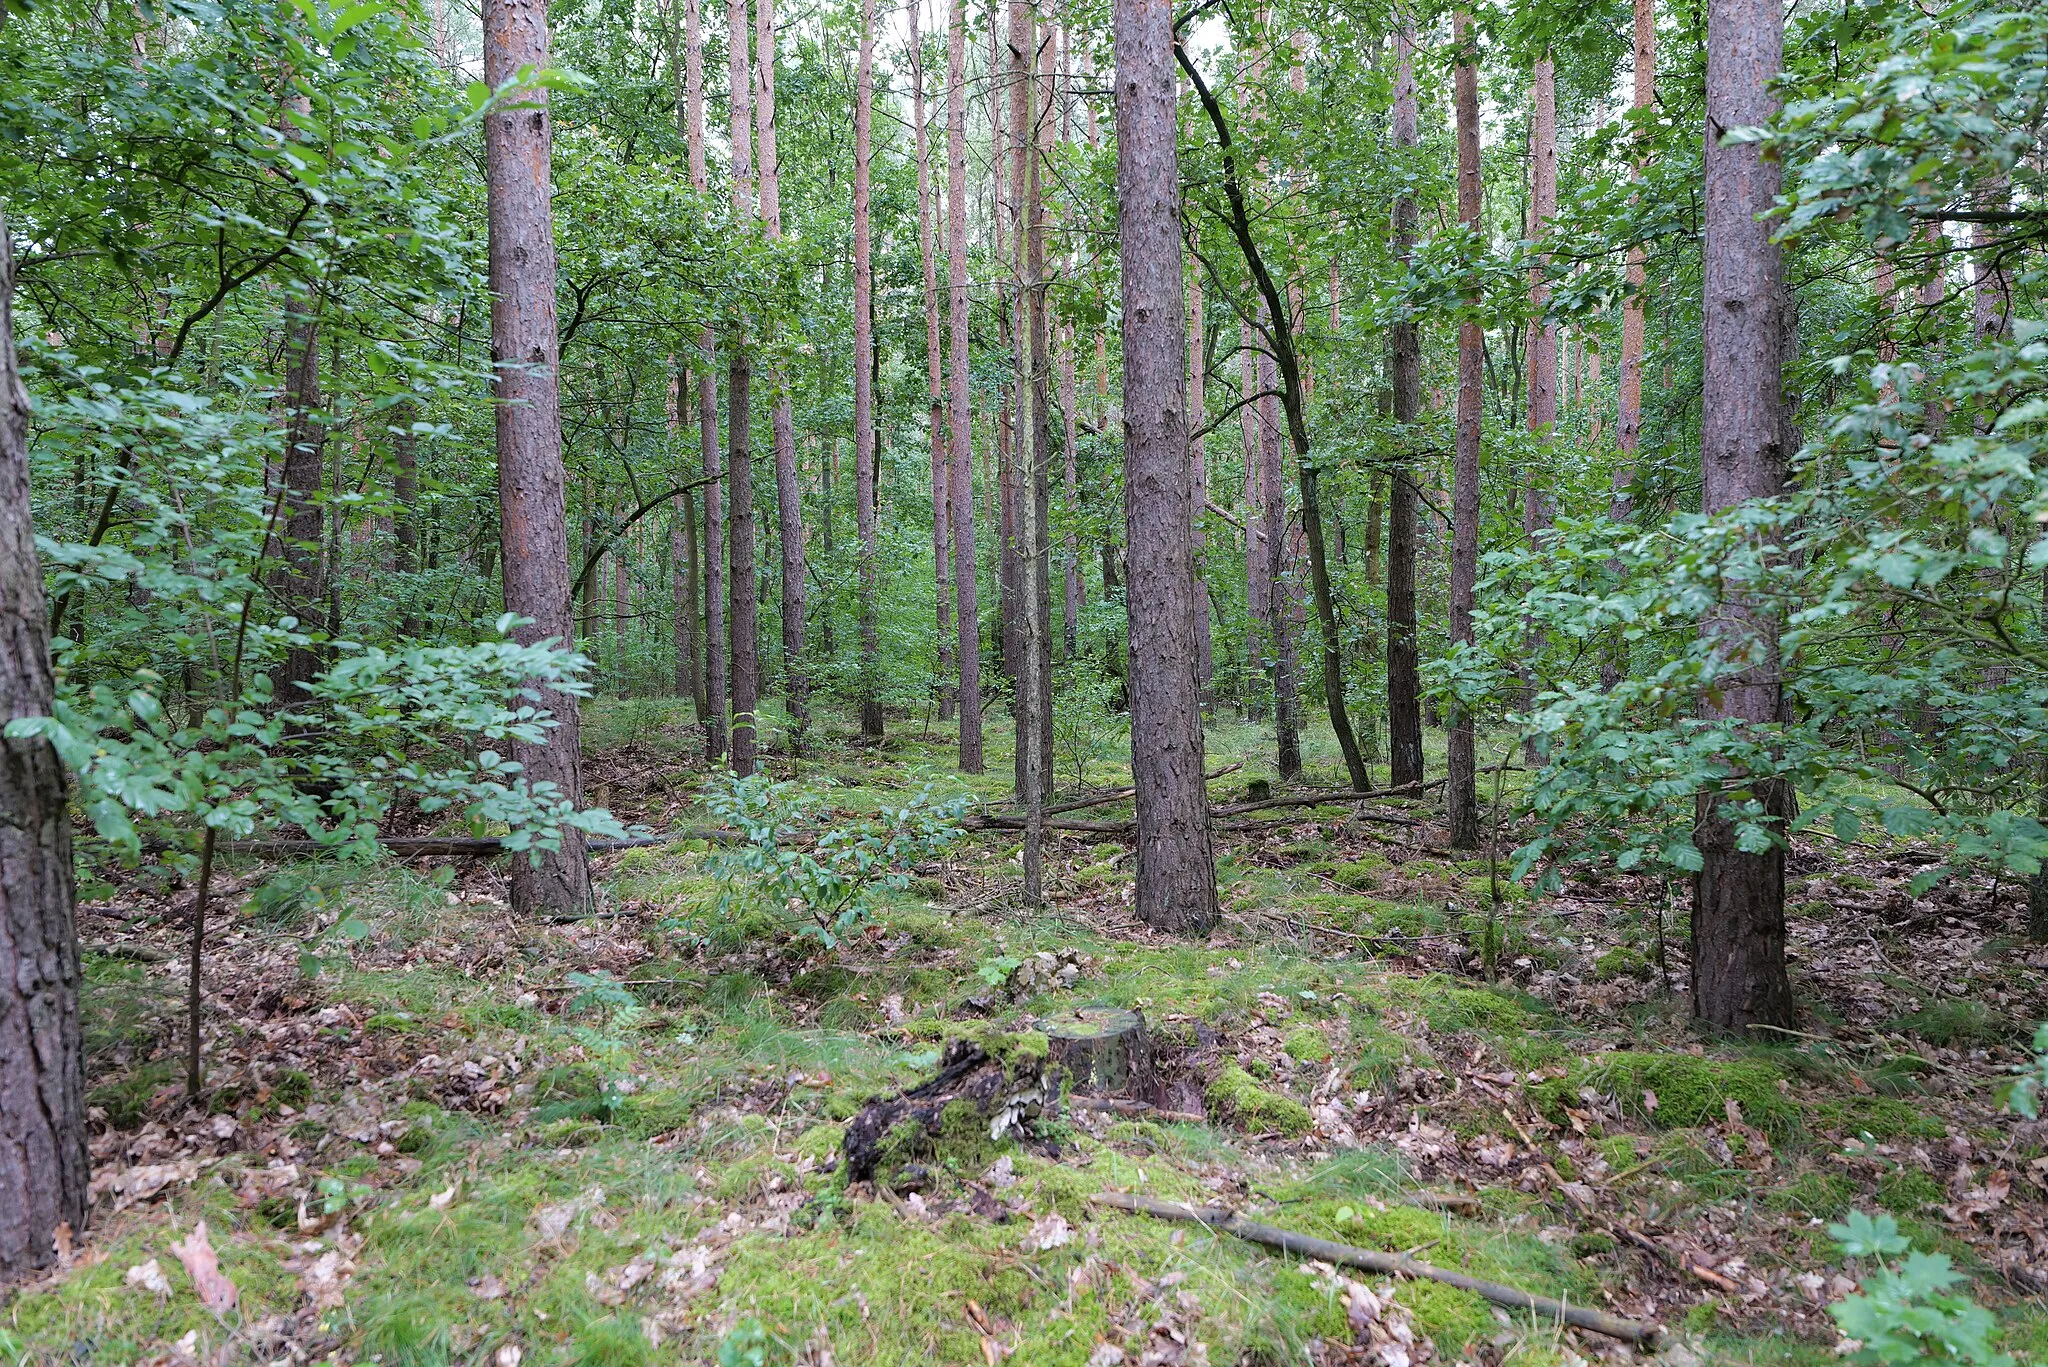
point(986, 1092)
point(1103, 1051)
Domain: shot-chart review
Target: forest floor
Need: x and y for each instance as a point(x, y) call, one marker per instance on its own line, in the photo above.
point(471, 1139)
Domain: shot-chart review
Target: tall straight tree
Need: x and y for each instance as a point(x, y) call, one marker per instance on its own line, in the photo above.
point(1628, 431)
point(44, 1167)
point(1738, 915)
point(1404, 345)
point(1032, 684)
point(739, 440)
point(1258, 565)
point(789, 488)
point(967, 614)
point(717, 678)
point(1176, 874)
point(1543, 349)
point(934, 360)
point(532, 485)
point(1461, 785)
point(864, 381)
point(1198, 419)
point(682, 549)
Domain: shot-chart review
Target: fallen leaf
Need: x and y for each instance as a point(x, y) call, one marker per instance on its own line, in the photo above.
point(324, 1279)
point(202, 1265)
point(149, 1276)
point(441, 1200)
point(554, 1221)
point(489, 1288)
point(1051, 1232)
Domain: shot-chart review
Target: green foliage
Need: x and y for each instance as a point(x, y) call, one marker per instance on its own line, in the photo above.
point(791, 860)
point(1906, 1312)
point(1238, 1095)
point(1688, 1091)
point(2032, 1082)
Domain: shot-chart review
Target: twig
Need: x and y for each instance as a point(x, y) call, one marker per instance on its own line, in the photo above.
point(1390, 1264)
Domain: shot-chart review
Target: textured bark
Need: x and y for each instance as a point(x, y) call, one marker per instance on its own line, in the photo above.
point(532, 492)
point(1461, 787)
point(1543, 339)
point(621, 576)
point(1070, 611)
point(742, 588)
point(1032, 438)
point(714, 682)
point(789, 488)
point(1738, 920)
point(1258, 565)
point(1629, 384)
point(682, 555)
point(1176, 869)
point(298, 582)
point(405, 492)
point(1991, 300)
point(1198, 418)
point(934, 370)
point(1285, 663)
point(1404, 686)
point(863, 382)
point(967, 614)
point(43, 1163)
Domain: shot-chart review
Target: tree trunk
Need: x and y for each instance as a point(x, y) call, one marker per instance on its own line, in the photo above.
point(1176, 875)
point(683, 556)
point(1198, 418)
point(934, 370)
point(1286, 663)
point(789, 488)
point(1461, 768)
point(297, 581)
point(1738, 919)
point(863, 383)
point(621, 574)
point(1404, 685)
point(44, 1168)
point(1991, 302)
point(967, 615)
point(741, 587)
point(532, 492)
point(405, 492)
point(715, 680)
point(1258, 565)
point(1070, 612)
point(1537, 508)
point(1628, 432)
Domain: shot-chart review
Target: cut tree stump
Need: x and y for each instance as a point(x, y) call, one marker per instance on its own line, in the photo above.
point(986, 1092)
point(1103, 1051)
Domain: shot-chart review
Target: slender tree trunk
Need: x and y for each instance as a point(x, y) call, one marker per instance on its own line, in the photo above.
point(967, 615)
point(789, 488)
point(1070, 614)
point(741, 583)
point(621, 574)
point(1543, 338)
point(683, 554)
point(716, 679)
point(1628, 432)
point(1738, 920)
point(863, 383)
point(532, 485)
point(1258, 565)
point(1198, 418)
point(1028, 452)
point(934, 367)
point(1286, 663)
point(1176, 879)
point(298, 581)
point(1404, 685)
point(1991, 300)
point(1461, 768)
point(405, 492)
point(44, 1167)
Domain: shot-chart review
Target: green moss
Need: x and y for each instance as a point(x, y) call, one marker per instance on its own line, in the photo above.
point(1881, 1117)
point(819, 1142)
point(1361, 874)
point(657, 1113)
point(1955, 1024)
point(1452, 1318)
point(1907, 1191)
point(126, 1099)
point(1591, 1243)
point(1689, 1090)
point(1021, 1052)
point(614, 1341)
point(1447, 1006)
point(1623, 961)
point(822, 984)
point(1306, 1044)
point(1817, 1195)
point(1236, 1094)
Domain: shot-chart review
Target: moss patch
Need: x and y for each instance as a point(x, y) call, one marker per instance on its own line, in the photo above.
point(1689, 1091)
point(1238, 1095)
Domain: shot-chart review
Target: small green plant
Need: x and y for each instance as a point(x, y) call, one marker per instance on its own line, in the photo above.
point(997, 968)
point(1906, 1312)
point(2025, 1097)
point(1087, 727)
point(744, 1345)
point(792, 860)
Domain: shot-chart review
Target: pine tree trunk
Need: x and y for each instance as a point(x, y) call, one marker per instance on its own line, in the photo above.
point(1285, 662)
point(934, 371)
point(1628, 431)
point(1258, 583)
point(863, 383)
point(1537, 508)
point(405, 492)
point(714, 681)
point(967, 616)
point(741, 585)
point(1176, 878)
point(1738, 921)
point(1461, 773)
point(532, 484)
point(1404, 686)
point(297, 580)
point(44, 1167)
point(1198, 418)
point(789, 488)
point(682, 552)
point(1070, 614)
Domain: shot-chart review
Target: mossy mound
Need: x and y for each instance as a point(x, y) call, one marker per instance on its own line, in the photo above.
point(1688, 1090)
point(1306, 1044)
point(1238, 1095)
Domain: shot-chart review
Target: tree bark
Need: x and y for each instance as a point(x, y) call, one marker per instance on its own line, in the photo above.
point(1628, 432)
point(1461, 769)
point(532, 485)
point(405, 492)
point(44, 1168)
point(967, 615)
point(1198, 418)
point(1176, 870)
point(715, 679)
point(1285, 662)
point(863, 382)
point(1404, 685)
point(1258, 583)
point(741, 586)
point(1738, 921)
point(934, 370)
point(789, 488)
point(297, 581)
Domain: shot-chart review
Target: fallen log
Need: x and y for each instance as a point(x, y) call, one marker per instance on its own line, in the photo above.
point(976, 1099)
point(1389, 1264)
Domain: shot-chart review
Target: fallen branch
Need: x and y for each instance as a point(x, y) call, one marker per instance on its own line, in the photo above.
point(1390, 1264)
point(475, 847)
point(1329, 797)
point(1126, 794)
point(1116, 1105)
